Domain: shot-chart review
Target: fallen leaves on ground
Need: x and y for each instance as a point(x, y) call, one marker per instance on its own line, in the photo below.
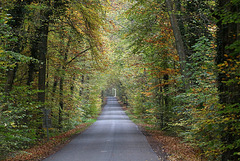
point(172, 145)
point(46, 148)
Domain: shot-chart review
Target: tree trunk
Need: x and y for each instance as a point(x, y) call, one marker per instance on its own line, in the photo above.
point(81, 88)
point(72, 85)
point(42, 51)
point(11, 74)
point(227, 34)
point(165, 78)
point(60, 102)
point(55, 84)
point(178, 40)
point(40, 45)
point(61, 83)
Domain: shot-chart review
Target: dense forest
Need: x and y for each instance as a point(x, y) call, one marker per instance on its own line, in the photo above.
point(174, 64)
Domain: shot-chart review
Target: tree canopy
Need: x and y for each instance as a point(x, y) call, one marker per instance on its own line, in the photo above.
point(174, 64)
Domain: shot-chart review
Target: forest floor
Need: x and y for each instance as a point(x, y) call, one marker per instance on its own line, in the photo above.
point(168, 148)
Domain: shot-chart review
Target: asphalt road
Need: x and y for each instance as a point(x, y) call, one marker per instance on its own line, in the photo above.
point(113, 137)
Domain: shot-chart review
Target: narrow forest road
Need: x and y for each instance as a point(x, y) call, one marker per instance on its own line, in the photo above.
point(113, 137)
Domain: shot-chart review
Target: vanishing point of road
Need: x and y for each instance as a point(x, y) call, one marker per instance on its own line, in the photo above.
point(113, 137)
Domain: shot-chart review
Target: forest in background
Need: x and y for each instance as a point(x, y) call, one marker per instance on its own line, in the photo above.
point(174, 64)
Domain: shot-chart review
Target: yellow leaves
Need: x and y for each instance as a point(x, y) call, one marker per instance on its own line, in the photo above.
point(226, 63)
point(220, 65)
point(233, 68)
point(176, 57)
point(213, 46)
point(229, 67)
point(226, 119)
point(210, 73)
point(147, 94)
point(13, 124)
point(203, 67)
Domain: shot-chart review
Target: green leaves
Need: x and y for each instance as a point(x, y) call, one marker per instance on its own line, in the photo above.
point(65, 61)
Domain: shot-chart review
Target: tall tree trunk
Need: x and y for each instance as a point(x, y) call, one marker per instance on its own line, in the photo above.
point(60, 102)
point(42, 51)
point(178, 40)
point(32, 67)
point(11, 74)
point(81, 88)
point(227, 34)
point(72, 85)
point(61, 83)
point(55, 84)
point(166, 108)
point(40, 46)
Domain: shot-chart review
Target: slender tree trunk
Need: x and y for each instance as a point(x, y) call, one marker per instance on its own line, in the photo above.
point(40, 46)
point(60, 102)
point(42, 51)
point(11, 74)
point(159, 99)
point(72, 85)
point(165, 78)
point(178, 40)
point(61, 84)
point(55, 84)
point(31, 67)
point(88, 88)
point(81, 88)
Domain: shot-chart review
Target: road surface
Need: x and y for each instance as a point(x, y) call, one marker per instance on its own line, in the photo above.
point(113, 137)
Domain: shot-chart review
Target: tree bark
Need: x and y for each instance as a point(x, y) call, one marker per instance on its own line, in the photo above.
point(11, 74)
point(81, 88)
point(72, 85)
point(227, 34)
point(60, 102)
point(42, 51)
point(40, 45)
point(178, 40)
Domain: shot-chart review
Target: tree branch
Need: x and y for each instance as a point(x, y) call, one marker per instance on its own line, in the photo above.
point(77, 56)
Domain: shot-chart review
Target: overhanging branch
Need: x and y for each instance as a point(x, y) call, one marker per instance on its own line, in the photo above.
point(79, 54)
